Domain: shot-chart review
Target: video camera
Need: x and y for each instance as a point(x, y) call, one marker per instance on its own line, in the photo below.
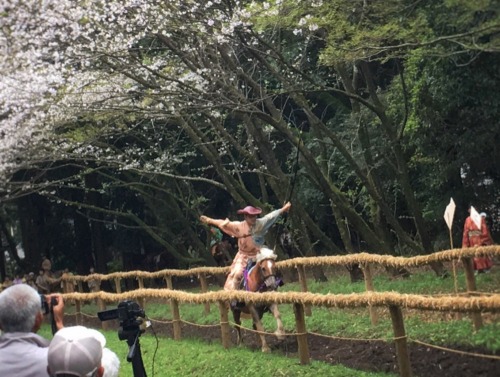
point(131, 318)
point(126, 311)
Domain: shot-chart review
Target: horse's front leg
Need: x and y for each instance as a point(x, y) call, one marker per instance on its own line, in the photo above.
point(237, 321)
point(280, 331)
point(259, 327)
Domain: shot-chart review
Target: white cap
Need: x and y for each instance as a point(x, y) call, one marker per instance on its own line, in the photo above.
point(75, 351)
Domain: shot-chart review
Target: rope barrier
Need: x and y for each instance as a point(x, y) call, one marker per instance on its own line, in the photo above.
point(465, 304)
point(350, 339)
point(484, 356)
point(160, 321)
point(465, 353)
point(263, 332)
point(197, 324)
point(360, 258)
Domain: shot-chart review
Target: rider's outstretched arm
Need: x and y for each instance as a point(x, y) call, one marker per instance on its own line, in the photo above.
point(219, 223)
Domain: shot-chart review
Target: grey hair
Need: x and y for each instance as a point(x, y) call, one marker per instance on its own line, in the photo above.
point(19, 305)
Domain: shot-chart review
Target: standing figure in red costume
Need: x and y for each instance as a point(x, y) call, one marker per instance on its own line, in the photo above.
point(476, 233)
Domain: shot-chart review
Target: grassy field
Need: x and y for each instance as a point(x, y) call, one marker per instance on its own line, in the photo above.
point(164, 357)
point(196, 358)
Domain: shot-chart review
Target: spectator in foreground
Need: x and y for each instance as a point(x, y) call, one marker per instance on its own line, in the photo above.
point(23, 353)
point(110, 362)
point(79, 351)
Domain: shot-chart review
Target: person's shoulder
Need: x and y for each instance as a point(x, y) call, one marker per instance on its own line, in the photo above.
point(26, 339)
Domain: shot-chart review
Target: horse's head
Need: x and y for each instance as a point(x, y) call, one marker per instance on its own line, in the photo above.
point(266, 265)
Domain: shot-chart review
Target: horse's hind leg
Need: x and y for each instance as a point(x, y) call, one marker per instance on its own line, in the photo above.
point(280, 331)
point(258, 326)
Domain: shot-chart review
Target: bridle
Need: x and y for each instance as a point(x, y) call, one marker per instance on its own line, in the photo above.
point(269, 282)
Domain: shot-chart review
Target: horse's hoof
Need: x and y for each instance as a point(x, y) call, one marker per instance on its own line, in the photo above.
point(266, 349)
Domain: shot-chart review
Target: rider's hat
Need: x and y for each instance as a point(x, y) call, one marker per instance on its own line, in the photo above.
point(249, 210)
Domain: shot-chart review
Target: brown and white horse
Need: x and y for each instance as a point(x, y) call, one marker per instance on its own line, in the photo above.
point(222, 251)
point(260, 278)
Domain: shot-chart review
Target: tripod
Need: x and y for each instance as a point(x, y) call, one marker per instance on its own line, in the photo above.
point(130, 315)
point(134, 350)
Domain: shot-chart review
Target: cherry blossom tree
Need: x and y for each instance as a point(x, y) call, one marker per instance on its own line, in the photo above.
point(233, 95)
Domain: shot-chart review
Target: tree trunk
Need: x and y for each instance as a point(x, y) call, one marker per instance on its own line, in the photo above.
point(11, 246)
point(31, 209)
point(96, 225)
point(83, 244)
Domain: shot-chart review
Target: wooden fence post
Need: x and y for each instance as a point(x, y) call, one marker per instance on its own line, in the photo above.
point(470, 281)
point(168, 280)
point(398, 327)
point(224, 325)
point(118, 285)
point(78, 307)
point(176, 321)
point(300, 325)
point(303, 285)
point(204, 289)
point(78, 312)
point(142, 300)
point(367, 271)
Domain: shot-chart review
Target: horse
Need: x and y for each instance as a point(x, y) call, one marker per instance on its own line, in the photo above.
point(222, 251)
point(260, 278)
point(289, 245)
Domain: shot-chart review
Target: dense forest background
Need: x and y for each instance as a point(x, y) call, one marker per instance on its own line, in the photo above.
point(121, 122)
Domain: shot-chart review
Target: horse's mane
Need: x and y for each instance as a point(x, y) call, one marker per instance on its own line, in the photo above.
point(265, 253)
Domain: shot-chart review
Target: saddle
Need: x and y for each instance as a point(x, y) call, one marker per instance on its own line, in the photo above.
point(244, 282)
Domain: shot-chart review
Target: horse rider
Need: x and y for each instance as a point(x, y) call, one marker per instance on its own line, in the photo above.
point(250, 234)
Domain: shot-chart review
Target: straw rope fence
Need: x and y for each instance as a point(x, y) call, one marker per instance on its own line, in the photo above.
point(474, 304)
point(342, 260)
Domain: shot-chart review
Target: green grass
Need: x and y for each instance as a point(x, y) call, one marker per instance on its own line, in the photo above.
point(196, 358)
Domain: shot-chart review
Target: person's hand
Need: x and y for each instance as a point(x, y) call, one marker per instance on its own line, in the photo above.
point(204, 219)
point(286, 207)
point(58, 309)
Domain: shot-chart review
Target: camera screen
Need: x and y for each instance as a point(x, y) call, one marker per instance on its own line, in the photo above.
point(108, 314)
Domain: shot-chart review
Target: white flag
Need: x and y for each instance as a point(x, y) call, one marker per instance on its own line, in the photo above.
point(449, 213)
point(476, 217)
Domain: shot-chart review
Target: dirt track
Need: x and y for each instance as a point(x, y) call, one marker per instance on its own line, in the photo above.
point(363, 355)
